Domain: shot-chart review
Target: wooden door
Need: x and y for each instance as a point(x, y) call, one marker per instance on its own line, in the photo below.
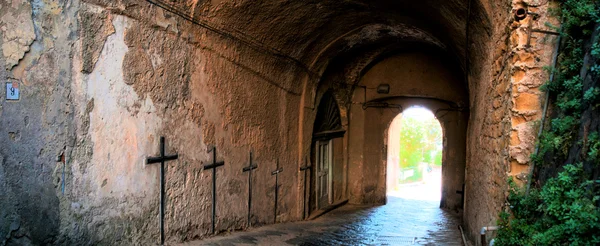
point(324, 160)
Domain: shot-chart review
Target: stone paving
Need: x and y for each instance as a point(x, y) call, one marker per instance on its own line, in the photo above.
point(408, 219)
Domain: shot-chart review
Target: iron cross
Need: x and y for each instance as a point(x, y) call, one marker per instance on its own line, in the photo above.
point(303, 169)
point(162, 158)
point(214, 166)
point(249, 169)
point(462, 195)
point(276, 173)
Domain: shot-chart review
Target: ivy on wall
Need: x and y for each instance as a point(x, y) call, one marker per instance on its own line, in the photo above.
point(564, 209)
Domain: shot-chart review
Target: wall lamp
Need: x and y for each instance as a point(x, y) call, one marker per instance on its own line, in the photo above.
point(383, 89)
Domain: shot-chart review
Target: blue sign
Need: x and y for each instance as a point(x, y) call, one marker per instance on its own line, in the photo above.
point(12, 91)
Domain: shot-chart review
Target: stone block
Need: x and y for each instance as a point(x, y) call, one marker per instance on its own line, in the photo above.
point(17, 31)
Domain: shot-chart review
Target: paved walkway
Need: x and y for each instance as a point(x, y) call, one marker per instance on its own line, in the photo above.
point(409, 218)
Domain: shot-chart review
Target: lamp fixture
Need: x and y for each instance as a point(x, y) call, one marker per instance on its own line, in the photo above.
point(383, 89)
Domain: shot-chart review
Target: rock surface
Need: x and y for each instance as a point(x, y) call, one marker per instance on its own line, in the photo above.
point(17, 30)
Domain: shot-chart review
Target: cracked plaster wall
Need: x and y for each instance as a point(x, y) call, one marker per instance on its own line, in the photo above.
point(17, 30)
point(36, 129)
point(99, 85)
point(153, 80)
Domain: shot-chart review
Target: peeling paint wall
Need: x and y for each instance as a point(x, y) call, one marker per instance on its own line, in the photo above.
point(100, 83)
point(153, 80)
point(17, 28)
point(36, 130)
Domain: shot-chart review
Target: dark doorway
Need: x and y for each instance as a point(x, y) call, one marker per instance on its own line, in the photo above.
point(326, 152)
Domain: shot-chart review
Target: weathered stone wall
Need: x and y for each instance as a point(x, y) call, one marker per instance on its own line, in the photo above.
point(197, 90)
point(100, 84)
point(506, 107)
point(37, 129)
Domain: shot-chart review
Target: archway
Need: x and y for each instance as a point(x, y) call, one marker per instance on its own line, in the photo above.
point(414, 155)
point(413, 78)
point(327, 172)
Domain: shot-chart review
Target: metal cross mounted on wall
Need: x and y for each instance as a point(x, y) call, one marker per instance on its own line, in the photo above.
point(304, 169)
point(249, 169)
point(276, 173)
point(162, 158)
point(462, 195)
point(214, 166)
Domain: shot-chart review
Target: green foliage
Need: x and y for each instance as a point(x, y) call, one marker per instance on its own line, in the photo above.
point(594, 147)
point(562, 212)
point(419, 141)
point(565, 210)
point(579, 18)
point(591, 94)
point(411, 140)
point(437, 159)
point(559, 139)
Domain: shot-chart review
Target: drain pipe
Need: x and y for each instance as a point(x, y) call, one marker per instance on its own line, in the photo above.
point(462, 233)
point(543, 121)
point(484, 230)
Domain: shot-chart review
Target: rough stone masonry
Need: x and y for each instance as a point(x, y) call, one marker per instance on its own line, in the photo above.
point(100, 81)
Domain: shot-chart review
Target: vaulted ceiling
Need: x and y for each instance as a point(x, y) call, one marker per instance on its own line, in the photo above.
point(314, 33)
point(308, 30)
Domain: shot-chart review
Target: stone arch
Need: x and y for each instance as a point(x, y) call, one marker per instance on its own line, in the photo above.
point(392, 133)
point(453, 121)
point(415, 78)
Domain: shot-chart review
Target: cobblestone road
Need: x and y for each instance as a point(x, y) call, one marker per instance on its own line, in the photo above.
point(405, 220)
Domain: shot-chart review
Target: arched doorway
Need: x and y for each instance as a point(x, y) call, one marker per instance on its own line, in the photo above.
point(327, 156)
point(414, 155)
point(413, 78)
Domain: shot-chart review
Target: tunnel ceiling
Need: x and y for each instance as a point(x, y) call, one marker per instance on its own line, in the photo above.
point(306, 29)
point(315, 32)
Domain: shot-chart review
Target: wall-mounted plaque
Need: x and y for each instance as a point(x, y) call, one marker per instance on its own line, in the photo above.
point(12, 91)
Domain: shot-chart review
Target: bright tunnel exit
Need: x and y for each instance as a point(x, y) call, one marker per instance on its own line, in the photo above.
point(414, 156)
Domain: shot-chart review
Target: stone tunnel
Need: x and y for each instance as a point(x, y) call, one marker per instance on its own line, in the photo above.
point(292, 82)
